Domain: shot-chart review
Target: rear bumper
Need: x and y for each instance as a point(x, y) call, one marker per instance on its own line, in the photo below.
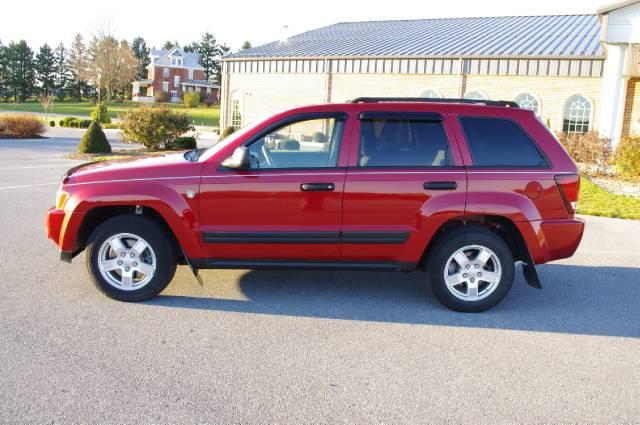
point(62, 228)
point(550, 240)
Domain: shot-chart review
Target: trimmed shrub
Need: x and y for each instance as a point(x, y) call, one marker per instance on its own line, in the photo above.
point(227, 131)
point(627, 157)
point(154, 127)
point(113, 125)
point(73, 124)
point(61, 123)
point(21, 126)
point(52, 123)
point(588, 148)
point(80, 123)
point(209, 100)
point(182, 143)
point(191, 99)
point(161, 96)
point(289, 145)
point(93, 140)
point(101, 114)
point(319, 137)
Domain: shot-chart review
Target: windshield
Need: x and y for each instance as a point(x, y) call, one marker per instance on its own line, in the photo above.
point(210, 151)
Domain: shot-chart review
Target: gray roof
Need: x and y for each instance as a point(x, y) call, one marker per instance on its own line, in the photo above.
point(163, 59)
point(515, 36)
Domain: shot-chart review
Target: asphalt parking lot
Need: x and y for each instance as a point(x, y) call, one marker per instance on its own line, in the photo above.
point(306, 347)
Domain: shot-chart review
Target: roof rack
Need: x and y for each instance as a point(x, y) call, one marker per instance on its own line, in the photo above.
point(505, 103)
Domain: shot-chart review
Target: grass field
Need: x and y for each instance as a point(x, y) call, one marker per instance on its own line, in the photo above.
point(594, 200)
point(201, 115)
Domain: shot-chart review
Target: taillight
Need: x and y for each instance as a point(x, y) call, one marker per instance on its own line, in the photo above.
point(569, 186)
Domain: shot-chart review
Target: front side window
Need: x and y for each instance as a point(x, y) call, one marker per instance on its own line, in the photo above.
point(528, 101)
point(577, 115)
point(310, 143)
point(165, 72)
point(475, 95)
point(403, 142)
point(500, 142)
point(176, 81)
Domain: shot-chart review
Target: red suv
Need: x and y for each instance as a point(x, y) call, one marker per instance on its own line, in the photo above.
point(460, 189)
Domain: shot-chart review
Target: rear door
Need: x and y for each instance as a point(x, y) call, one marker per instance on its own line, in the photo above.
point(405, 178)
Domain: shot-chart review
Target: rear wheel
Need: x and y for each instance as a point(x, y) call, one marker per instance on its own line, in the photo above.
point(470, 269)
point(129, 258)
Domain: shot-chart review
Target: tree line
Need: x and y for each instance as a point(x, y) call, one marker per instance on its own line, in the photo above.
point(102, 67)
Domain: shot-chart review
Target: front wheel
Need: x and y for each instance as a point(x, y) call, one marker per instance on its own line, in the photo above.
point(470, 269)
point(129, 258)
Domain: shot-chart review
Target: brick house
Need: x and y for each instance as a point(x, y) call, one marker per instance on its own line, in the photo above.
point(577, 72)
point(173, 72)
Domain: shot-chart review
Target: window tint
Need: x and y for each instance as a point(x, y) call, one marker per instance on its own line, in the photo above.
point(398, 142)
point(499, 142)
point(313, 143)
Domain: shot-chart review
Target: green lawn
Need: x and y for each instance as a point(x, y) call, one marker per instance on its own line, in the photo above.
point(594, 200)
point(201, 115)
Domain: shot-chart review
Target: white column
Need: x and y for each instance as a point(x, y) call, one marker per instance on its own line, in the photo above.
point(613, 92)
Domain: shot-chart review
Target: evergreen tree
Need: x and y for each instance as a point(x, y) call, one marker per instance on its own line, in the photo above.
point(210, 53)
point(246, 45)
point(168, 45)
point(78, 66)
point(62, 74)
point(45, 69)
point(141, 52)
point(20, 70)
point(4, 90)
point(94, 140)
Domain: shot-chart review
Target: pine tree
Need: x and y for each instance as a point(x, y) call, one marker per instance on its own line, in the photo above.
point(4, 90)
point(94, 140)
point(45, 69)
point(141, 52)
point(246, 45)
point(210, 53)
point(20, 70)
point(62, 74)
point(78, 66)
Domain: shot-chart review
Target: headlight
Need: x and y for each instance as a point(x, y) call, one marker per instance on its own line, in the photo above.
point(61, 199)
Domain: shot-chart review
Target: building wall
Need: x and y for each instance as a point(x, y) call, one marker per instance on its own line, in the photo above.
point(158, 73)
point(262, 93)
point(631, 119)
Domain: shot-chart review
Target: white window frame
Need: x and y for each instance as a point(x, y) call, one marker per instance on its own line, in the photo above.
point(477, 95)
point(165, 86)
point(176, 81)
point(578, 113)
point(527, 99)
point(435, 94)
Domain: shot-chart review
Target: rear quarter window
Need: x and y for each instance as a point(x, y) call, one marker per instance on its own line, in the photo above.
point(500, 142)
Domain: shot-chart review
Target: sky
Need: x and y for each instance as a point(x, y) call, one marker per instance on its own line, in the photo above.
point(233, 22)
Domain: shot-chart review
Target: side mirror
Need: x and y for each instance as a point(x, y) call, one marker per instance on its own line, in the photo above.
point(240, 160)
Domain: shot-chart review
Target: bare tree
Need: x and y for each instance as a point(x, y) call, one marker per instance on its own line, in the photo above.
point(46, 100)
point(127, 68)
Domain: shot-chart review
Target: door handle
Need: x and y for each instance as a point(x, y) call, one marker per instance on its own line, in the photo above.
point(317, 187)
point(440, 185)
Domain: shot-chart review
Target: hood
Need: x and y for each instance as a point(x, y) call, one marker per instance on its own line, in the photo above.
point(148, 166)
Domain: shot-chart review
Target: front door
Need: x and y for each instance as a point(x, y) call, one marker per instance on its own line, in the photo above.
point(288, 205)
point(405, 179)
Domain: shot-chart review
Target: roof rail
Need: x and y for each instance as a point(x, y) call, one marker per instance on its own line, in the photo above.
point(505, 103)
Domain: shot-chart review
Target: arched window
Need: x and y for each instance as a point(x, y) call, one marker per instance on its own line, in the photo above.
point(475, 95)
point(577, 114)
point(528, 101)
point(236, 109)
point(432, 94)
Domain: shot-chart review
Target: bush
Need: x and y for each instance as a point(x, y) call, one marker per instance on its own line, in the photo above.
point(191, 99)
point(52, 123)
point(73, 124)
point(182, 143)
point(154, 127)
point(289, 144)
point(226, 132)
point(93, 140)
point(21, 126)
point(101, 114)
point(627, 157)
point(589, 149)
point(61, 123)
point(161, 96)
point(209, 100)
point(66, 121)
point(113, 125)
point(319, 137)
point(80, 123)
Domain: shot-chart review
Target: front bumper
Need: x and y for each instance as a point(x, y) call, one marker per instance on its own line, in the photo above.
point(62, 228)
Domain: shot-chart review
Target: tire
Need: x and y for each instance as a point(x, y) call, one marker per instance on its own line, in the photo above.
point(134, 276)
point(486, 264)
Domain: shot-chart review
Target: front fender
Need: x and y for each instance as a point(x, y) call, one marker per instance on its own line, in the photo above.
point(169, 200)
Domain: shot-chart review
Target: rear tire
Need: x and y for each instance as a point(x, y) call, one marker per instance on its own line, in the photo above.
point(130, 258)
point(470, 269)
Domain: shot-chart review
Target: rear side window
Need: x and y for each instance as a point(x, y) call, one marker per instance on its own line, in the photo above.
point(397, 141)
point(500, 142)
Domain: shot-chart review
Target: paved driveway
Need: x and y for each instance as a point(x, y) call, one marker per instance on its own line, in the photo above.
point(306, 347)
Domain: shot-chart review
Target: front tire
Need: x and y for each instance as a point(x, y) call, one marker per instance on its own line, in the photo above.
point(130, 258)
point(470, 269)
